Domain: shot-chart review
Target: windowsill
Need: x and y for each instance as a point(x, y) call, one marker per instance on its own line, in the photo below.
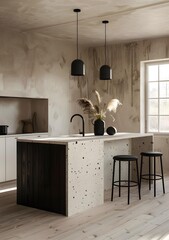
point(162, 134)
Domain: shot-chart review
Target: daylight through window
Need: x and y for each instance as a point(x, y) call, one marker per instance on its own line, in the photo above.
point(157, 96)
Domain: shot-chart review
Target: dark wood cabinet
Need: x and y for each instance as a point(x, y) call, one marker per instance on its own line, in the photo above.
point(41, 176)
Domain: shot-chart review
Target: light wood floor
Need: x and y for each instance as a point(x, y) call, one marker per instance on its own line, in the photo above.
point(145, 219)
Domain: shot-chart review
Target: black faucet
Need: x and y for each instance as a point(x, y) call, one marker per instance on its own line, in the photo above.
point(83, 127)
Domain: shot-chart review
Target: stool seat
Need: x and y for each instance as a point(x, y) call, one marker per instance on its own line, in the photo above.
point(151, 154)
point(125, 158)
point(128, 182)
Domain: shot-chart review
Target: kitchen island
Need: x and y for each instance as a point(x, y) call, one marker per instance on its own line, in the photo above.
point(68, 174)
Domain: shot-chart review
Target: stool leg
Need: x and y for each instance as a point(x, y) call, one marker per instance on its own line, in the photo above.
point(119, 178)
point(141, 166)
point(149, 161)
point(128, 182)
point(138, 182)
point(112, 191)
point(162, 173)
point(154, 176)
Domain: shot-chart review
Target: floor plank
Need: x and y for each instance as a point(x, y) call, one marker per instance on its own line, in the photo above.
point(145, 219)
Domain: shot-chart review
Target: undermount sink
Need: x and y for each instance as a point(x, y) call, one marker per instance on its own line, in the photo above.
point(78, 135)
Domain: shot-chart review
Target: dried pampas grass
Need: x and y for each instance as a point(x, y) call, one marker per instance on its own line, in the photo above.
point(98, 97)
point(86, 105)
point(98, 110)
point(113, 104)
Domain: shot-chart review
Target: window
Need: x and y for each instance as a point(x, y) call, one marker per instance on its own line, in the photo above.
point(157, 96)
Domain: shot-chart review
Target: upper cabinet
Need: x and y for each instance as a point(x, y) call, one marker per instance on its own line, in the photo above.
point(24, 115)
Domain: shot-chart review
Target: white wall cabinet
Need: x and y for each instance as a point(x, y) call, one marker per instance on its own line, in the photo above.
point(8, 155)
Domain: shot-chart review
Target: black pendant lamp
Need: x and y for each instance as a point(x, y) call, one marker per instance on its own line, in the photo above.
point(105, 70)
point(77, 66)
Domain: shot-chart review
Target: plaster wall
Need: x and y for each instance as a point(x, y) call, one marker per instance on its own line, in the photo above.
point(37, 66)
point(125, 62)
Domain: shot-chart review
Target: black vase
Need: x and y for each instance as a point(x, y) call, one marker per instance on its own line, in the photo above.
point(99, 127)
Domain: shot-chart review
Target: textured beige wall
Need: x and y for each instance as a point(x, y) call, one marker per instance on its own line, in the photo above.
point(125, 61)
point(36, 66)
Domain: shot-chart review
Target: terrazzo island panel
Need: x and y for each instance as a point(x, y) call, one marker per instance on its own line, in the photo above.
point(85, 175)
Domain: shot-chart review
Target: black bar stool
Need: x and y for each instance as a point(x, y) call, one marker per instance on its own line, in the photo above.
point(152, 176)
point(130, 183)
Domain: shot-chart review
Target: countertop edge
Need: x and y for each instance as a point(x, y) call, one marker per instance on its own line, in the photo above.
point(64, 140)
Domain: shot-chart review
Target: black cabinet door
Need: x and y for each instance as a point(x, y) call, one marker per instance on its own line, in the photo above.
point(41, 176)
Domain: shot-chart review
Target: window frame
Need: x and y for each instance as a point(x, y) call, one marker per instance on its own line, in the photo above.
point(144, 111)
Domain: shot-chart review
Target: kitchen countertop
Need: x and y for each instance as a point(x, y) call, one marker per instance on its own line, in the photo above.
point(24, 135)
point(63, 139)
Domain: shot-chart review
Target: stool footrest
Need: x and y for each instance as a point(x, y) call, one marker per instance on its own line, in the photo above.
point(117, 183)
point(152, 176)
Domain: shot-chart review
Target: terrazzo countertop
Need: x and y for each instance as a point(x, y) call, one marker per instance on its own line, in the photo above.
point(63, 139)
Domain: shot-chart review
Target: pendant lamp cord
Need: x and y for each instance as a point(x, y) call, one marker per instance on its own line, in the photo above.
point(77, 38)
point(105, 44)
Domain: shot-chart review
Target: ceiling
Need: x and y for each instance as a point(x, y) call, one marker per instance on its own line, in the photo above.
point(129, 20)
